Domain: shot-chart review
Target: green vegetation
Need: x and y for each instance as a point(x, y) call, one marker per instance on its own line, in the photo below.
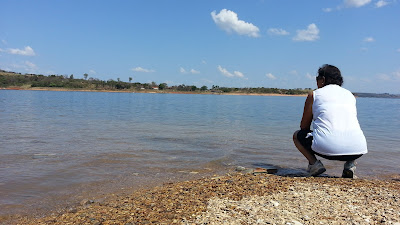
point(26, 81)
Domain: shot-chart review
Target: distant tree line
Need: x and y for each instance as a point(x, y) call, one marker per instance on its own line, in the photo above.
point(11, 79)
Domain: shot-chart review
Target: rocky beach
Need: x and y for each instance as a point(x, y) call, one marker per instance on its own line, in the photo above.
point(248, 198)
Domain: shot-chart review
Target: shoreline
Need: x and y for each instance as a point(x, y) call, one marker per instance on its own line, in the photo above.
point(153, 92)
point(236, 198)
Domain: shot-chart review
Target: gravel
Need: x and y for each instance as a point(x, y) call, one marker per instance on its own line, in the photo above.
point(244, 199)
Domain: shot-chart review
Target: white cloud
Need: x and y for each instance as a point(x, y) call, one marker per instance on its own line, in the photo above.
point(27, 51)
point(204, 62)
point(310, 34)
point(398, 50)
point(238, 74)
point(327, 9)
point(293, 72)
point(226, 73)
point(369, 39)
point(142, 70)
point(92, 72)
point(381, 3)
point(277, 31)
point(228, 20)
point(28, 66)
point(208, 81)
point(270, 76)
point(384, 77)
point(396, 74)
point(356, 3)
point(309, 76)
point(3, 41)
point(193, 71)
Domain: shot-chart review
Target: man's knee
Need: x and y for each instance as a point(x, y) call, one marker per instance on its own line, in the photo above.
point(295, 135)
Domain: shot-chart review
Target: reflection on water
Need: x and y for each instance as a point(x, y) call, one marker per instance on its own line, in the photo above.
point(62, 145)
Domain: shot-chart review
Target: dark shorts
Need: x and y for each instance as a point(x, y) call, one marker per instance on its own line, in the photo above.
point(307, 142)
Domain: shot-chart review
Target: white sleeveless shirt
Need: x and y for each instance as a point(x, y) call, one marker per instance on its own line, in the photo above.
point(336, 130)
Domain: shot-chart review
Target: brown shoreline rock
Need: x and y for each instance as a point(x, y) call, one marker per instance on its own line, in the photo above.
point(245, 199)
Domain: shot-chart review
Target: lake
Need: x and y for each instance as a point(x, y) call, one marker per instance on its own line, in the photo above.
point(59, 147)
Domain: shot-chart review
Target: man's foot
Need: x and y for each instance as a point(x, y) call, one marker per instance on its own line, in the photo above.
point(316, 169)
point(349, 169)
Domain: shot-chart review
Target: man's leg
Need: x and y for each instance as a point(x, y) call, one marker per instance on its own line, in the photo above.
point(308, 154)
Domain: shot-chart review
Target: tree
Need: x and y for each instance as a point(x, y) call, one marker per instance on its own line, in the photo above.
point(118, 80)
point(193, 88)
point(162, 86)
point(71, 77)
point(85, 76)
point(130, 79)
point(204, 88)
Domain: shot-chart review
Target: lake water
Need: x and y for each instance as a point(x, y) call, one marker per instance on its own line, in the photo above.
point(57, 147)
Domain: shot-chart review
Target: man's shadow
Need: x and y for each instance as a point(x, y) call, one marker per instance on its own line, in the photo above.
point(288, 172)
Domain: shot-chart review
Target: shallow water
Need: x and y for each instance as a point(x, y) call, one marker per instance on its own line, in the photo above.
point(65, 145)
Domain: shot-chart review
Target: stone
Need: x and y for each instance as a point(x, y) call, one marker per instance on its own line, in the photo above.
point(275, 203)
point(240, 168)
point(86, 202)
point(247, 171)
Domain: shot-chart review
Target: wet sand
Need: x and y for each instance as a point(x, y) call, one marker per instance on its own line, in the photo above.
point(237, 198)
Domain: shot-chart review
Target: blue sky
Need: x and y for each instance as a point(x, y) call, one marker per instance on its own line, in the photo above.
point(231, 43)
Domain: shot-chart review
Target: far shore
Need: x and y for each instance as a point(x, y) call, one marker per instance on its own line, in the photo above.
point(149, 91)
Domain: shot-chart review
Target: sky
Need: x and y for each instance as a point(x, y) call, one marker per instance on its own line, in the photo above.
point(228, 43)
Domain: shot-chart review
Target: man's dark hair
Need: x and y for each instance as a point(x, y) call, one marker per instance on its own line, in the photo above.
point(331, 73)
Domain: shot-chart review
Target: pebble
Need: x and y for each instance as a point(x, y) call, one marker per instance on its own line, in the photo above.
point(240, 168)
point(86, 202)
point(275, 203)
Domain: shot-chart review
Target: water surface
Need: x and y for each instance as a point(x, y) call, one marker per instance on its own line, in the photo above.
point(65, 145)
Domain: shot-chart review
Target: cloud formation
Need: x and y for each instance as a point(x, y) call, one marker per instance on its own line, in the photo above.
point(396, 74)
point(277, 31)
point(381, 3)
point(356, 3)
point(27, 51)
point(270, 76)
point(142, 70)
point(193, 71)
point(238, 74)
point(369, 39)
point(30, 67)
point(309, 34)
point(228, 20)
point(226, 73)
point(309, 76)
